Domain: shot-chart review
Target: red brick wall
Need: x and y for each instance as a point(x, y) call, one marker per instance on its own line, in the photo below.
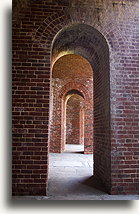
point(116, 93)
point(125, 110)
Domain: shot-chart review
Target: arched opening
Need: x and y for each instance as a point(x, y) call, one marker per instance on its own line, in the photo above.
point(71, 75)
point(80, 61)
point(75, 119)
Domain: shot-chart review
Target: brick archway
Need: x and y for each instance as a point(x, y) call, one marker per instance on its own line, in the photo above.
point(57, 139)
point(88, 107)
point(75, 85)
point(65, 98)
point(87, 42)
point(75, 106)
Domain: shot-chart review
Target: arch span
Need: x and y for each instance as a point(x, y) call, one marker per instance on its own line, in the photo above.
point(86, 41)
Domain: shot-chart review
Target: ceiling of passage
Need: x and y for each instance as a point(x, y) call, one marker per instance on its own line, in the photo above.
point(83, 40)
point(72, 66)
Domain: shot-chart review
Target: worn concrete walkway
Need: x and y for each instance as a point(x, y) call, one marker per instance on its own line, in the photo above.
point(69, 173)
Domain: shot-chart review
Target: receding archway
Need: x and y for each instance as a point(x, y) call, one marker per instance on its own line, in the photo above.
point(75, 119)
point(82, 116)
point(89, 43)
point(71, 74)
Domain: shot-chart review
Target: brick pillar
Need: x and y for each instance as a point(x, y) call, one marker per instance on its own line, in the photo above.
point(88, 129)
point(81, 126)
point(55, 133)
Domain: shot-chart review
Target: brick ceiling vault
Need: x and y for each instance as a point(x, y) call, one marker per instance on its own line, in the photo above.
point(83, 40)
point(71, 66)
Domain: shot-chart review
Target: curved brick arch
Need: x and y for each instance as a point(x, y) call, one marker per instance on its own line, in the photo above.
point(83, 40)
point(49, 28)
point(77, 86)
point(53, 24)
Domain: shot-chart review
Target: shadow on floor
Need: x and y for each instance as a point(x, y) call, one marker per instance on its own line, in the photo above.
point(76, 152)
point(92, 182)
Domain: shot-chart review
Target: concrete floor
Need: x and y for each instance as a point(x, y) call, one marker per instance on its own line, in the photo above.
point(69, 176)
point(69, 173)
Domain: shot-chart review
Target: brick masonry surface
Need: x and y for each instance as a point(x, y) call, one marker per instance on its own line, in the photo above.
point(105, 33)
